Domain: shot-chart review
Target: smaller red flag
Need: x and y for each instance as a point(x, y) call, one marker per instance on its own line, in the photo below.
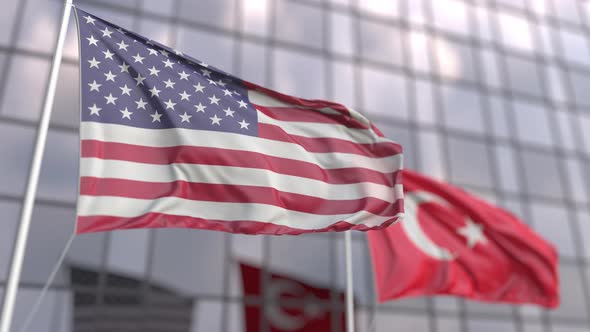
point(313, 315)
point(451, 242)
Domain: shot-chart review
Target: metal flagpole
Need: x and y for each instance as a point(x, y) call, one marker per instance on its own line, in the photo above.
point(349, 293)
point(29, 200)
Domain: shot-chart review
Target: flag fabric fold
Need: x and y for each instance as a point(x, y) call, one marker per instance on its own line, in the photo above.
point(453, 243)
point(169, 141)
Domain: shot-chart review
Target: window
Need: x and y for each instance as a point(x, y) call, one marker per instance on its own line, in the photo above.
point(299, 24)
point(26, 74)
point(516, 32)
point(253, 65)
point(219, 48)
point(523, 75)
point(573, 304)
point(255, 17)
point(381, 43)
point(469, 162)
point(450, 15)
point(506, 166)
point(406, 322)
point(532, 123)
point(299, 74)
point(214, 13)
point(455, 61)
point(384, 93)
point(580, 83)
point(462, 108)
point(553, 223)
point(186, 274)
point(575, 47)
point(341, 34)
point(541, 174)
point(488, 325)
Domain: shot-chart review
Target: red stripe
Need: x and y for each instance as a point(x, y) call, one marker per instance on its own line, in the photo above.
point(327, 145)
point(236, 158)
point(235, 194)
point(298, 101)
point(290, 114)
point(90, 224)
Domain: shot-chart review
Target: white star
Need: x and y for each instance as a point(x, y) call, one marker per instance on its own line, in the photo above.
point(186, 118)
point(164, 53)
point(108, 54)
point(229, 112)
point(243, 124)
point(200, 108)
point(110, 76)
point(177, 52)
point(94, 86)
point(156, 116)
point(153, 71)
point(126, 113)
point(226, 92)
point(124, 67)
point(122, 45)
point(121, 31)
point(140, 103)
point(473, 233)
point(204, 64)
point(214, 100)
point(169, 84)
point(184, 95)
point(89, 20)
point(236, 93)
point(94, 63)
point(215, 120)
point(168, 63)
point(106, 32)
point(199, 87)
point(149, 42)
point(110, 99)
point(206, 73)
point(152, 51)
point(92, 41)
point(169, 104)
point(139, 79)
point(138, 58)
point(155, 92)
point(212, 82)
point(94, 110)
point(125, 90)
point(243, 104)
point(183, 75)
point(221, 83)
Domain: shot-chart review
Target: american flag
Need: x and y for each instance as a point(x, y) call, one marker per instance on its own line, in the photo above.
point(169, 141)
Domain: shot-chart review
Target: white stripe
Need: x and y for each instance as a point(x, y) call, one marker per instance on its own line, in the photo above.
point(212, 139)
point(262, 99)
point(131, 207)
point(329, 130)
point(117, 169)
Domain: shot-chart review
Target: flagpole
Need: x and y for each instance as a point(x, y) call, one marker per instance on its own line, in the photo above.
point(33, 180)
point(349, 292)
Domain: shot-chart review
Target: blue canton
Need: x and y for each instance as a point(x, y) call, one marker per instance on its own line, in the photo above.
point(130, 80)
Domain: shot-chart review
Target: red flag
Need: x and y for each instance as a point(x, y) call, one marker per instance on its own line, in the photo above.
point(311, 316)
point(451, 242)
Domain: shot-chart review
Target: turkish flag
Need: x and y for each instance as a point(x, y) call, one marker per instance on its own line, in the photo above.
point(451, 242)
point(309, 315)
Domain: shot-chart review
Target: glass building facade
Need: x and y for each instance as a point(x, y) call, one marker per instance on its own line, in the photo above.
point(490, 95)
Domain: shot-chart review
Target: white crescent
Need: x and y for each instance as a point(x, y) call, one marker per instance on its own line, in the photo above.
point(273, 312)
point(415, 233)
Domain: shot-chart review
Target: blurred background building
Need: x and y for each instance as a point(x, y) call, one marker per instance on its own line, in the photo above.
point(491, 95)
